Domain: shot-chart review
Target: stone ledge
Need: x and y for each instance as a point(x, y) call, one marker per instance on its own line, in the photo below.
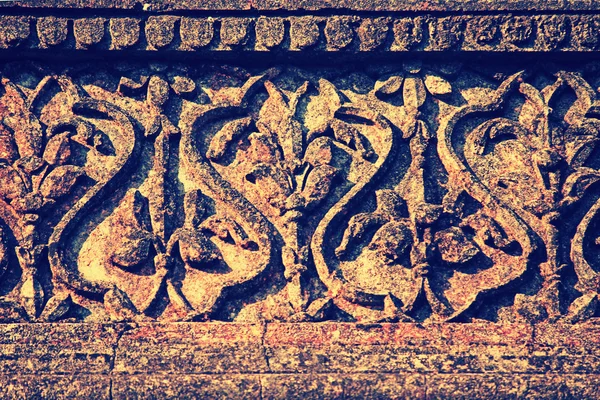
point(302, 386)
point(381, 32)
point(302, 360)
point(218, 348)
point(316, 5)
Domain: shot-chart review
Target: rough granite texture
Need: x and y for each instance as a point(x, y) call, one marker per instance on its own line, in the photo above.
point(299, 199)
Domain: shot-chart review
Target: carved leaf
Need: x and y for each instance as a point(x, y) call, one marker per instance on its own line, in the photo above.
point(15, 114)
point(392, 240)
point(414, 92)
point(8, 148)
point(56, 307)
point(275, 183)
point(197, 251)
point(358, 226)
point(585, 97)
point(582, 308)
point(319, 308)
point(60, 181)
point(263, 149)
point(276, 118)
point(3, 252)
point(158, 91)
point(58, 149)
point(351, 136)
point(437, 85)
point(318, 184)
point(389, 86)
point(274, 113)
point(321, 108)
point(11, 311)
point(32, 296)
point(131, 251)
point(578, 151)
point(11, 184)
point(230, 132)
point(534, 116)
point(578, 182)
point(134, 242)
point(183, 85)
point(53, 98)
point(129, 86)
point(580, 142)
point(319, 152)
point(390, 204)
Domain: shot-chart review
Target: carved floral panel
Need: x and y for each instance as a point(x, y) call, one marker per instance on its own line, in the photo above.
point(415, 191)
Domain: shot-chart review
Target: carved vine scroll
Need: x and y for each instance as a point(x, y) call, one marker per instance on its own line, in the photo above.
point(419, 191)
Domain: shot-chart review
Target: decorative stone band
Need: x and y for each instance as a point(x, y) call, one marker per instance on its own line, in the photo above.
point(327, 360)
point(320, 33)
point(316, 5)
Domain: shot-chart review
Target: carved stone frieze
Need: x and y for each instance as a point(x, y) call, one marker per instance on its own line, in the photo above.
point(313, 33)
point(299, 199)
point(418, 192)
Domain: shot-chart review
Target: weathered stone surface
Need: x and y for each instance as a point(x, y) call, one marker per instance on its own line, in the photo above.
point(191, 348)
point(270, 32)
point(273, 199)
point(399, 348)
point(329, 33)
point(75, 386)
point(52, 31)
point(196, 32)
point(315, 5)
point(328, 361)
point(337, 386)
point(125, 32)
point(227, 386)
point(89, 31)
point(13, 30)
point(298, 195)
point(57, 349)
point(160, 31)
point(489, 386)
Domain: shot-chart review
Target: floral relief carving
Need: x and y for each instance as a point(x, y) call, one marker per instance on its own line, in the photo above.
point(413, 192)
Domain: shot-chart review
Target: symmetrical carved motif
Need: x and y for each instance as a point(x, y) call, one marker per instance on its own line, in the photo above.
point(398, 193)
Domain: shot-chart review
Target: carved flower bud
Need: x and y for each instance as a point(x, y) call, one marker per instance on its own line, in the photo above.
point(454, 246)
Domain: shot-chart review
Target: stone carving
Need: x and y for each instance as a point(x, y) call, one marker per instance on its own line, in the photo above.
point(313, 33)
point(401, 193)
